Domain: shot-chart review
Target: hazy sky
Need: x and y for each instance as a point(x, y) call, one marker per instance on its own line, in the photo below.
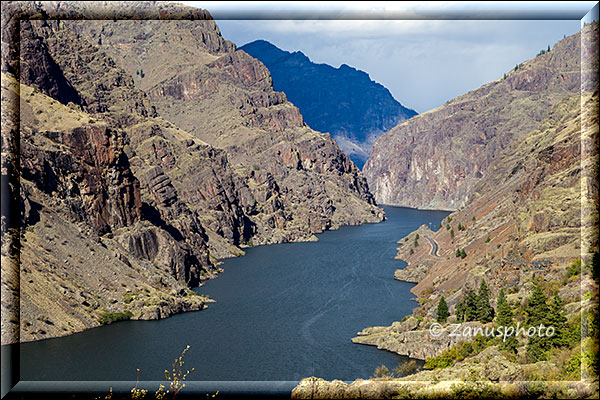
point(423, 62)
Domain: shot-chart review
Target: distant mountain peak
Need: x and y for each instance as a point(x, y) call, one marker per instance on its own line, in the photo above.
point(343, 101)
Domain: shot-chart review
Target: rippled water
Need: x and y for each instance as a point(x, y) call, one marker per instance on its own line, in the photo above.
point(283, 312)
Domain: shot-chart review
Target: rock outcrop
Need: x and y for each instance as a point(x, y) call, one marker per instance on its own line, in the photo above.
point(411, 338)
point(436, 159)
point(487, 375)
point(343, 101)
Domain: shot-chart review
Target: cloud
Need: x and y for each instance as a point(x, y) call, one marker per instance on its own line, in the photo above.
point(423, 63)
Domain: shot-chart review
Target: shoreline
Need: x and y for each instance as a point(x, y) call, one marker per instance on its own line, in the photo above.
point(176, 302)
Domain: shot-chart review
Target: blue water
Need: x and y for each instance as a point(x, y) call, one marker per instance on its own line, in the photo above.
point(283, 312)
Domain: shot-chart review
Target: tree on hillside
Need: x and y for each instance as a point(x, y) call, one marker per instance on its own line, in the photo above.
point(504, 319)
point(485, 312)
point(460, 312)
point(558, 321)
point(442, 311)
point(537, 311)
point(470, 306)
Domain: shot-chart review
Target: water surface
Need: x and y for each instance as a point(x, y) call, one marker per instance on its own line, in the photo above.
point(283, 312)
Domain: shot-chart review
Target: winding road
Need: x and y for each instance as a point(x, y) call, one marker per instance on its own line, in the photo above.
point(434, 246)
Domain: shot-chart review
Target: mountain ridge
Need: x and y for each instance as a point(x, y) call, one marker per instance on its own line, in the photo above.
point(343, 101)
point(436, 158)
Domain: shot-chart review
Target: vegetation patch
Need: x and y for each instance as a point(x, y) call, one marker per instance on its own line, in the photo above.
point(110, 317)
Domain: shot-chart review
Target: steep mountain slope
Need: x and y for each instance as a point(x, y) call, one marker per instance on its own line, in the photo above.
point(529, 204)
point(294, 181)
point(435, 159)
point(530, 217)
point(121, 209)
point(86, 249)
point(343, 101)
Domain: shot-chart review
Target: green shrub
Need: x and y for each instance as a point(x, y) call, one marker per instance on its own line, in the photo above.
point(382, 372)
point(575, 268)
point(455, 353)
point(475, 390)
point(129, 296)
point(406, 368)
point(110, 317)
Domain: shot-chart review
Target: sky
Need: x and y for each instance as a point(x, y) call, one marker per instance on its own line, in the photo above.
point(425, 55)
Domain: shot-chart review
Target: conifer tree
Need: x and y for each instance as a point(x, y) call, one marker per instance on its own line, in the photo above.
point(460, 312)
point(537, 311)
point(470, 306)
point(485, 312)
point(442, 311)
point(558, 321)
point(504, 319)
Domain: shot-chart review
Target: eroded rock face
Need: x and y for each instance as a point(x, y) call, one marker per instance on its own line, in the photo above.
point(39, 69)
point(86, 239)
point(434, 160)
point(92, 177)
point(280, 181)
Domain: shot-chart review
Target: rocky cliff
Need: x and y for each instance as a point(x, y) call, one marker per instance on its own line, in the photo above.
point(343, 101)
point(79, 201)
point(124, 202)
point(531, 215)
point(436, 159)
point(286, 181)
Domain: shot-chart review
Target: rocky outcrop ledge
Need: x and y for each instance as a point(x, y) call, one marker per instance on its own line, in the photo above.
point(161, 305)
point(413, 338)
